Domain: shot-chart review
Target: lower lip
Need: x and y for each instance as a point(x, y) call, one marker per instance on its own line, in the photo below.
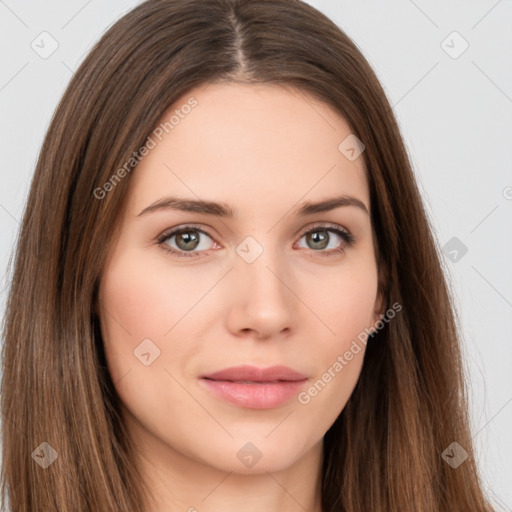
point(266, 395)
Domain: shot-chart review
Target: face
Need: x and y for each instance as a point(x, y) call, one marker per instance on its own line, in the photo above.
point(269, 285)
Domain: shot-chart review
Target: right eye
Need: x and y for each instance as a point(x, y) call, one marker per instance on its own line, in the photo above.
point(186, 240)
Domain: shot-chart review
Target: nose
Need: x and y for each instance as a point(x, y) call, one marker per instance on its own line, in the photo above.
point(262, 303)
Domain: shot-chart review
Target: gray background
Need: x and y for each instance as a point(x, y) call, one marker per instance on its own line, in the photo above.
point(454, 108)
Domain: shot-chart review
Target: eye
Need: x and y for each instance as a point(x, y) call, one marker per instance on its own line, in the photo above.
point(184, 241)
point(187, 239)
point(319, 238)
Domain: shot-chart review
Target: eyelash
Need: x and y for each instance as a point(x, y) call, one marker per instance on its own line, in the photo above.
point(344, 234)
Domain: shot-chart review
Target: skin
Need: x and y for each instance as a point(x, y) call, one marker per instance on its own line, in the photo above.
point(263, 149)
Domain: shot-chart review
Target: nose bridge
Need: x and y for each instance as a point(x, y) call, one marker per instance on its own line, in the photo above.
point(258, 261)
point(262, 299)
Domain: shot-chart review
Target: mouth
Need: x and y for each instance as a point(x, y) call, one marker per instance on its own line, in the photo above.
point(254, 388)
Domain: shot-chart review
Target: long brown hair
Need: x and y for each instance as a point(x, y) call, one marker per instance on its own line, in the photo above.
point(384, 451)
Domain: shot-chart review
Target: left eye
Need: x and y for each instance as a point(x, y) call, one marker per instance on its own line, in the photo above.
point(188, 239)
point(320, 238)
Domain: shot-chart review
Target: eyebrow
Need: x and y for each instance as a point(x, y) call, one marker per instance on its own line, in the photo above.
point(227, 211)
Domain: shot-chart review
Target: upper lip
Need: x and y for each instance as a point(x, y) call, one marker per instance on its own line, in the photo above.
point(255, 374)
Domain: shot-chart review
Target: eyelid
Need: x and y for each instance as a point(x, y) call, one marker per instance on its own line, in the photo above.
point(185, 227)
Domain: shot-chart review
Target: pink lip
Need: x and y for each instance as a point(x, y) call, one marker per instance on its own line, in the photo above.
point(255, 388)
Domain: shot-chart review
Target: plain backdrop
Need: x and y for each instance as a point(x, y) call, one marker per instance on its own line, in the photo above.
point(446, 68)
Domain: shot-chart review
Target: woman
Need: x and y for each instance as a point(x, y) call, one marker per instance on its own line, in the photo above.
point(226, 292)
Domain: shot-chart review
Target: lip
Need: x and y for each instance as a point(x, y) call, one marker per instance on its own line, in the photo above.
point(250, 387)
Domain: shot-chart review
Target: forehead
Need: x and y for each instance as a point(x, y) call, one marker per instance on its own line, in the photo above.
point(249, 145)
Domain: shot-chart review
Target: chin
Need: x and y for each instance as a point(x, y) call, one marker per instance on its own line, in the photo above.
point(256, 455)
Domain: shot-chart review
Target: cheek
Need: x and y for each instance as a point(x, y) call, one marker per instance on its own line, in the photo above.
point(345, 305)
point(146, 300)
point(138, 303)
point(345, 302)
point(147, 312)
